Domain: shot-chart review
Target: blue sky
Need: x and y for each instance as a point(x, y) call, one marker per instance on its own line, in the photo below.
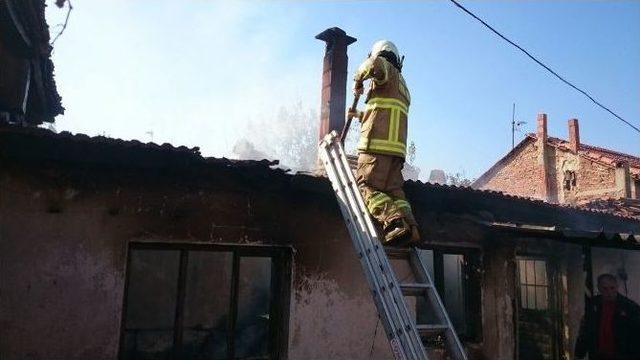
point(199, 73)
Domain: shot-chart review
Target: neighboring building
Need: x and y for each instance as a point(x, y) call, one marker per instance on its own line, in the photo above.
point(563, 171)
point(28, 94)
point(569, 172)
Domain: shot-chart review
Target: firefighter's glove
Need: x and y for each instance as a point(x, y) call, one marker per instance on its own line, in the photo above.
point(358, 88)
point(354, 113)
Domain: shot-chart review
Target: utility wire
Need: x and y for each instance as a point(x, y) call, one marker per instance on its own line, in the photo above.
point(544, 66)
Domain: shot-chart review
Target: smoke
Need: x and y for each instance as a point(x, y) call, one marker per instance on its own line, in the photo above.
point(289, 136)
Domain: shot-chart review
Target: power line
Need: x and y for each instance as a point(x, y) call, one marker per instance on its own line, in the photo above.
point(545, 66)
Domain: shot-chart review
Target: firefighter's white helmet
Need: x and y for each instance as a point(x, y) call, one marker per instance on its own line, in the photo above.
point(384, 45)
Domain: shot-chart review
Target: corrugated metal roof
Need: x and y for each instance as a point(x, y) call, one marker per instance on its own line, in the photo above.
point(582, 237)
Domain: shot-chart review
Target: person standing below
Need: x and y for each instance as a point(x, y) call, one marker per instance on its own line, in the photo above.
point(383, 142)
point(610, 329)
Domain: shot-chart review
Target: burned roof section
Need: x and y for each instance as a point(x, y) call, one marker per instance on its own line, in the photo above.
point(36, 146)
point(28, 93)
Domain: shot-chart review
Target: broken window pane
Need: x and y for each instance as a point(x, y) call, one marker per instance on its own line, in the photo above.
point(254, 299)
point(151, 296)
point(454, 290)
point(206, 312)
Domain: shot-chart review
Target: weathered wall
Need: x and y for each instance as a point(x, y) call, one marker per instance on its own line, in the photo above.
point(573, 285)
point(593, 180)
point(498, 297)
point(520, 176)
point(64, 235)
point(332, 314)
point(63, 247)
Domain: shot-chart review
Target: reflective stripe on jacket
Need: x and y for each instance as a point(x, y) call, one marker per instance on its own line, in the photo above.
point(384, 124)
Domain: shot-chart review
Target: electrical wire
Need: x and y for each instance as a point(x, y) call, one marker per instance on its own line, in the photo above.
point(545, 66)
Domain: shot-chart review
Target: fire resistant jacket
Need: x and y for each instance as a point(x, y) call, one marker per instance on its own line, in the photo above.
point(384, 124)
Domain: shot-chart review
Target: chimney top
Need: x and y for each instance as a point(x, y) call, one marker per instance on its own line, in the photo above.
point(335, 34)
point(542, 127)
point(574, 135)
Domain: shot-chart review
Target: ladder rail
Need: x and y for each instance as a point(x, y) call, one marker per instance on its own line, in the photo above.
point(378, 251)
point(382, 281)
point(358, 242)
point(451, 337)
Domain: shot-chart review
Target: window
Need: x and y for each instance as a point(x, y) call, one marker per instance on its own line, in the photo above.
point(569, 180)
point(534, 286)
point(538, 332)
point(202, 302)
point(456, 276)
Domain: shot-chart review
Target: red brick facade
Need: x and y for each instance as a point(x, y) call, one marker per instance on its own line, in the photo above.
point(561, 171)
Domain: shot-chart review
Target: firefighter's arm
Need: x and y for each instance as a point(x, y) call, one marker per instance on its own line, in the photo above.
point(375, 69)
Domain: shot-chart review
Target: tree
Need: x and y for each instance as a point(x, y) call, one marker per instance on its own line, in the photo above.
point(458, 179)
point(290, 137)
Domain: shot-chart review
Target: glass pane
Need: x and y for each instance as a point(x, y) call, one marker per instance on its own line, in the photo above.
point(531, 297)
point(254, 297)
point(151, 303)
point(522, 267)
point(206, 312)
point(541, 273)
point(541, 298)
point(531, 273)
point(454, 290)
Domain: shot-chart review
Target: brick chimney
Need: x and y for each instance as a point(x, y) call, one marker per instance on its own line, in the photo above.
point(542, 128)
point(574, 135)
point(334, 80)
point(542, 166)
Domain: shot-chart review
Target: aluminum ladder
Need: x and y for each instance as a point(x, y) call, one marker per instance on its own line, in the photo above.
point(388, 295)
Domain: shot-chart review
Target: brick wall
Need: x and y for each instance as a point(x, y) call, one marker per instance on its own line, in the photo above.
point(521, 176)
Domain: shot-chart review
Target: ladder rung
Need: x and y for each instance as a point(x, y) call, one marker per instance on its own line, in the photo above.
point(431, 330)
point(414, 289)
point(397, 253)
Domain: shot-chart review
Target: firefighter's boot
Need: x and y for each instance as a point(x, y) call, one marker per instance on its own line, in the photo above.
point(395, 230)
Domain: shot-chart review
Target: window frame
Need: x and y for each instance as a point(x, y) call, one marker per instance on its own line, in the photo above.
point(279, 301)
point(472, 284)
point(554, 305)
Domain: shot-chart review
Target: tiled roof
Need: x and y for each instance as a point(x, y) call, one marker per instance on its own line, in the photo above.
point(598, 154)
point(594, 153)
point(618, 207)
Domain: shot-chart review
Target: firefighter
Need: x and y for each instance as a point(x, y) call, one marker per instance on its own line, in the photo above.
point(382, 145)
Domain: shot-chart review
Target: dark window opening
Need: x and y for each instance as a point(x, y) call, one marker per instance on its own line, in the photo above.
point(456, 276)
point(199, 302)
point(569, 180)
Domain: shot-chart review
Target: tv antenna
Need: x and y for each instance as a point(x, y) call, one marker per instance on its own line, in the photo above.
point(515, 126)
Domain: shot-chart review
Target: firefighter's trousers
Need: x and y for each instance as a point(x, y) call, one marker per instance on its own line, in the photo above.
point(380, 181)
